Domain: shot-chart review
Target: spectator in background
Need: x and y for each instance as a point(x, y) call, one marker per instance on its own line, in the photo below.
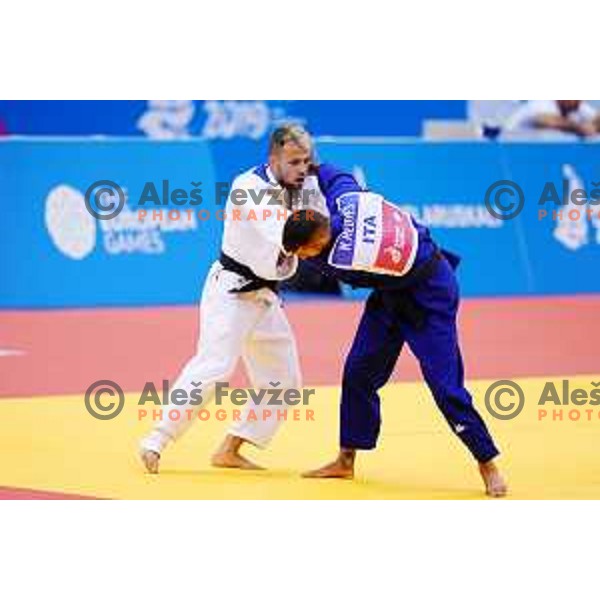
point(567, 116)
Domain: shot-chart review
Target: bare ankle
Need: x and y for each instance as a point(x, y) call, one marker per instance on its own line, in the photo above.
point(231, 444)
point(489, 465)
point(347, 457)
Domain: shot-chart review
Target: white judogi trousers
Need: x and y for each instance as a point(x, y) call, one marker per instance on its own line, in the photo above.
point(250, 325)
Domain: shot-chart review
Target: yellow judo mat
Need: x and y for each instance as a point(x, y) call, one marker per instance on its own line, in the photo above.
point(54, 444)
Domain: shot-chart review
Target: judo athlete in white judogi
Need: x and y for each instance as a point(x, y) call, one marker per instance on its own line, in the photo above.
point(241, 313)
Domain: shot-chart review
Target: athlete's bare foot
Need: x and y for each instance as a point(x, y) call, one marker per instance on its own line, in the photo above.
point(233, 460)
point(495, 486)
point(341, 468)
point(151, 460)
point(228, 456)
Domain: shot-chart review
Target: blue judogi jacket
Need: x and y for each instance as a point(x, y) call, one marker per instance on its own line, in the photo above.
point(418, 308)
point(334, 183)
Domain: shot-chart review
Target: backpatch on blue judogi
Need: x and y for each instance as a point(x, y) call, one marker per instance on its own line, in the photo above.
point(376, 236)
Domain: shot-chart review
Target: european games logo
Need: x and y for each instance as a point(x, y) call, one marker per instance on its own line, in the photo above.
point(74, 230)
point(71, 227)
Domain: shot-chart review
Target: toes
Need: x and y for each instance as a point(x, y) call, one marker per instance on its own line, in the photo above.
point(151, 461)
point(247, 464)
point(309, 474)
point(234, 462)
point(497, 491)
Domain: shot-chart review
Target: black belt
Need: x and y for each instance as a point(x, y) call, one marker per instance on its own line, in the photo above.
point(425, 271)
point(254, 281)
point(401, 305)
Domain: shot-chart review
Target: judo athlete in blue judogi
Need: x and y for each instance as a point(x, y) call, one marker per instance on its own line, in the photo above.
point(370, 243)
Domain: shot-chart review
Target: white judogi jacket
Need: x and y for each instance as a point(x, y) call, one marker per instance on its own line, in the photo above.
point(251, 325)
point(257, 243)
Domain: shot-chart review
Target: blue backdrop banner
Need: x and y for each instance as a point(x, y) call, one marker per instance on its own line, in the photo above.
point(56, 254)
point(225, 120)
point(445, 186)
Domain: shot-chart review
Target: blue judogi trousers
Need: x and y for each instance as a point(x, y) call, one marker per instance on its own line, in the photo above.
point(384, 328)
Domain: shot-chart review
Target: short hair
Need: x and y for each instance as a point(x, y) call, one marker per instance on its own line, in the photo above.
point(289, 132)
point(301, 227)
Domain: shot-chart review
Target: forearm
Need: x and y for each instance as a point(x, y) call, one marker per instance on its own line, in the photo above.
point(557, 122)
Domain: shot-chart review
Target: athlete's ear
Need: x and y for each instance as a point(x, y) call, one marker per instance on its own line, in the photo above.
point(313, 168)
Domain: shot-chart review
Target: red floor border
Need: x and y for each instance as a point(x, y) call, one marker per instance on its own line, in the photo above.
point(64, 351)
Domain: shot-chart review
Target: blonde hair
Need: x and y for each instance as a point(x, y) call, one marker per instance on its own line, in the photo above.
point(289, 132)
